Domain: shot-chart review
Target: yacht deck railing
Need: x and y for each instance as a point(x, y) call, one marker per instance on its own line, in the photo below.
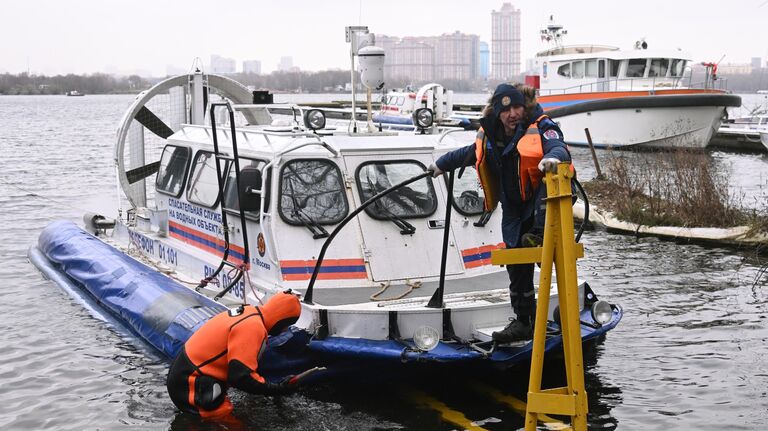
point(637, 84)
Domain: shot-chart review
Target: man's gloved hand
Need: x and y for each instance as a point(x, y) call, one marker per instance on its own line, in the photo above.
point(281, 387)
point(548, 165)
point(436, 172)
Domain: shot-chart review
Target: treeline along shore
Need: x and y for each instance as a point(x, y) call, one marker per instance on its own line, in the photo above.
point(328, 81)
point(284, 81)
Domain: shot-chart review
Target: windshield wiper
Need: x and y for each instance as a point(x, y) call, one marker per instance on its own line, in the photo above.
point(405, 227)
point(306, 221)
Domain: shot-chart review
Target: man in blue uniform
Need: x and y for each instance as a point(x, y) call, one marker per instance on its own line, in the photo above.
point(515, 145)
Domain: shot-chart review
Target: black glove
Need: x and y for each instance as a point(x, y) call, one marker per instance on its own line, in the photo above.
point(282, 387)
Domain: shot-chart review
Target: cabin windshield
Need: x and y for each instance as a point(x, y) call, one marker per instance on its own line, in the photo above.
point(203, 186)
point(173, 170)
point(415, 200)
point(250, 186)
point(312, 190)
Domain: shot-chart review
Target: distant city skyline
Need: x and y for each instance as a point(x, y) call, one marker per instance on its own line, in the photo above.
point(150, 38)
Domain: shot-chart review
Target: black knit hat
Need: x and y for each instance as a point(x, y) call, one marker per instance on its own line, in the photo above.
point(505, 97)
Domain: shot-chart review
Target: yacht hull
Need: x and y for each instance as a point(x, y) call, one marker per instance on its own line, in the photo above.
point(657, 121)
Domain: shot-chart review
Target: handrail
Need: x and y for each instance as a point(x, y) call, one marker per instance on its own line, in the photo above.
point(447, 132)
point(224, 222)
point(618, 84)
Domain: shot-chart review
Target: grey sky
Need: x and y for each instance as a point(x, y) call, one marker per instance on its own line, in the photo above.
point(85, 36)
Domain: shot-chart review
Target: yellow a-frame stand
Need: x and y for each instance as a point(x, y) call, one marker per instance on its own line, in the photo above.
point(559, 248)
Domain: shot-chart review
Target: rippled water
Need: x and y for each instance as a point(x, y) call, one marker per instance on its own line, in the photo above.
point(689, 354)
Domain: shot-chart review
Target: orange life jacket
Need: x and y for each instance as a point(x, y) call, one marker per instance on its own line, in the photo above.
point(531, 152)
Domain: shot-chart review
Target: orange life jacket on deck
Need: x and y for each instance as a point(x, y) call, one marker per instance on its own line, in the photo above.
point(531, 152)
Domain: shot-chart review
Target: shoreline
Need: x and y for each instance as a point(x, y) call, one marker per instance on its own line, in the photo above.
point(739, 236)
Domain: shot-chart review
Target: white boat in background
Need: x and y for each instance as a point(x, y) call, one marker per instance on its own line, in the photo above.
point(398, 106)
point(627, 97)
point(742, 132)
point(250, 208)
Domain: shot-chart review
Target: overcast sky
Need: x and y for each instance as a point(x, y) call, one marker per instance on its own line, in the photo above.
point(116, 36)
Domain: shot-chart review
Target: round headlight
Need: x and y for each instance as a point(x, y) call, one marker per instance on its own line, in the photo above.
point(426, 338)
point(314, 119)
point(602, 312)
point(423, 118)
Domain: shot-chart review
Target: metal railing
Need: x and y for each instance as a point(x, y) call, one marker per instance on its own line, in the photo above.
point(637, 84)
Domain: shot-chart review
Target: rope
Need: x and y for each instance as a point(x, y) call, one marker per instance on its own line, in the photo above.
point(137, 252)
point(250, 284)
point(384, 286)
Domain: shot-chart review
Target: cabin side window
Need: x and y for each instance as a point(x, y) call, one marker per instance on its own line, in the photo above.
point(412, 201)
point(203, 186)
point(564, 70)
point(312, 192)
point(659, 67)
point(468, 194)
point(636, 68)
point(249, 196)
point(173, 170)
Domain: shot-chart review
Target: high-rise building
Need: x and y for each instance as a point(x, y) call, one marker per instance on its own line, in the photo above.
point(457, 56)
point(757, 63)
point(485, 60)
point(286, 64)
point(222, 64)
point(412, 58)
point(419, 59)
point(252, 66)
point(505, 42)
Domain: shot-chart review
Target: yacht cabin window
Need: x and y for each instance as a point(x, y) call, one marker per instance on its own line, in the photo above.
point(173, 170)
point(601, 68)
point(591, 68)
point(312, 192)
point(564, 70)
point(677, 68)
point(658, 68)
point(613, 67)
point(468, 194)
point(415, 200)
point(577, 69)
point(636, 67)
point(251, 171)
point(203, 186)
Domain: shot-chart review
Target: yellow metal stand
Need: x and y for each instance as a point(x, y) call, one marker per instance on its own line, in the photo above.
point(560, 249)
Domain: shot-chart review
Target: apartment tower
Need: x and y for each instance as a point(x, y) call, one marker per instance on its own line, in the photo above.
point(505, 42)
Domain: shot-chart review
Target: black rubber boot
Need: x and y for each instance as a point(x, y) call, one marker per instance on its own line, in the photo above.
point(518, 330)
